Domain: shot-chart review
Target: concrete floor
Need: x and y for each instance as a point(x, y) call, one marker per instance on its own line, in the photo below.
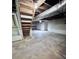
point(42, 45)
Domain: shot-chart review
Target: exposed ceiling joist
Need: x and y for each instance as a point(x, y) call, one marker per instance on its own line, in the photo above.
point(52, 11)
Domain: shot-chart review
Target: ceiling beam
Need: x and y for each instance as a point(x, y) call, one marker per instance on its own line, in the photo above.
point(52, 11)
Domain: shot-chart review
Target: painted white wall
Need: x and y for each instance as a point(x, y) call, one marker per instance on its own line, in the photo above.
point(55, 25)
point(16, 31)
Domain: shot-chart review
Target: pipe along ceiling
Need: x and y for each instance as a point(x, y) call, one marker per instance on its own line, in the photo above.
point(54, 10)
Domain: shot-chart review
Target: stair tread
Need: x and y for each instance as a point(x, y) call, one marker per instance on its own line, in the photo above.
point(28, 5)
point(25, 17)
point(26, 21)
point(25, 10)
point(23, 13)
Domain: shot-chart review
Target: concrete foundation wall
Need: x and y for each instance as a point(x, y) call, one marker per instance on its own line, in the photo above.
point(55, 25)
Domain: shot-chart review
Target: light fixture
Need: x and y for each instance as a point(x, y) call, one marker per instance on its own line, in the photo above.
point(40, 21)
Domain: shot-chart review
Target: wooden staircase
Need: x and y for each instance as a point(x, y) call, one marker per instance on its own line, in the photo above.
point(26, 14)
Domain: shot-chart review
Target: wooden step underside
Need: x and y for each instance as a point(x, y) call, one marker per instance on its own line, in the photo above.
point(26, 13)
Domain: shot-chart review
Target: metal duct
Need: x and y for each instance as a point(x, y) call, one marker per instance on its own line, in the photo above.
point(56, 9)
